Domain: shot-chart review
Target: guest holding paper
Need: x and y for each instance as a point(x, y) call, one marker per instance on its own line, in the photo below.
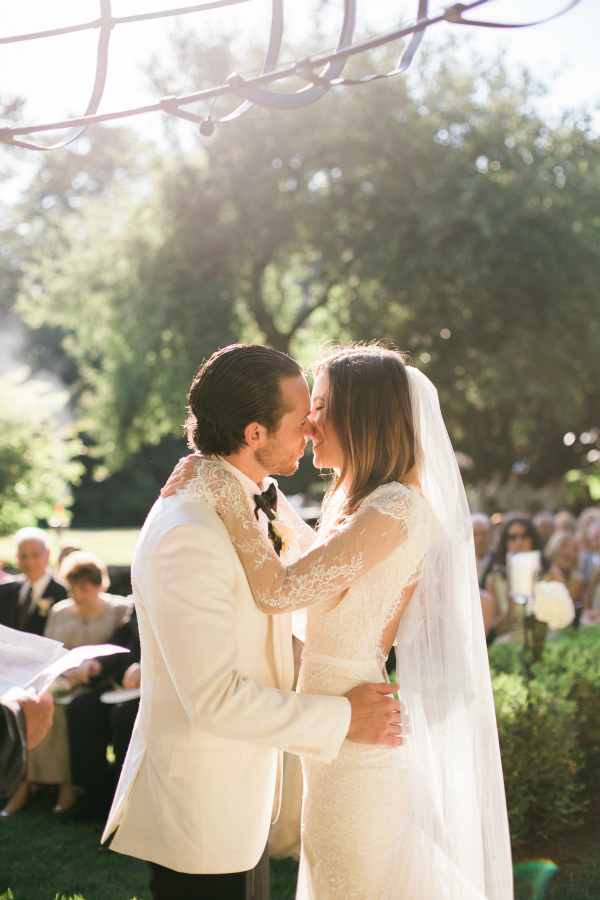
point(26, 601)
point(89, 616)
point(93, 724)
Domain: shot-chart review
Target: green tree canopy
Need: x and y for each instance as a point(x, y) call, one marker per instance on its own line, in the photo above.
point(451, 221)
point(37, 463)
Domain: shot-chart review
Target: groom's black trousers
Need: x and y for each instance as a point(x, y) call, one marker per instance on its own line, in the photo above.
point(166, 884)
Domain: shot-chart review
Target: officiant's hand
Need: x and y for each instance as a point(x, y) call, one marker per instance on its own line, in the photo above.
point(180, 475)
point(376, 717)
point(38, 710)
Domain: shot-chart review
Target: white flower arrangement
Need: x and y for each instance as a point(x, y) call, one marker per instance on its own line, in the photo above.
point(43, 606)
point(552, 604)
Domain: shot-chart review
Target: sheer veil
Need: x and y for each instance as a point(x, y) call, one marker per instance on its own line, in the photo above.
point(462, 844)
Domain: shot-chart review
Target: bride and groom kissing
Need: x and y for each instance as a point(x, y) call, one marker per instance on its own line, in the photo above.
point(413, 813)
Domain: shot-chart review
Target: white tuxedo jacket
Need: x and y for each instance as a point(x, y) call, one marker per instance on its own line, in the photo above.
point(201, 781)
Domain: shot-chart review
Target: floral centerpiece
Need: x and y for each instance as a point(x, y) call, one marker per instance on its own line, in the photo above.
point(552, 604)
point(553, 608)
point(545, 604)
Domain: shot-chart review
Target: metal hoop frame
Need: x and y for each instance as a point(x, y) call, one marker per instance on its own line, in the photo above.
point(252, 91)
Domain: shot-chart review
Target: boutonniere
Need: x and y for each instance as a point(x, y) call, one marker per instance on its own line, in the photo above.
point(282, 535)
point(43, 605)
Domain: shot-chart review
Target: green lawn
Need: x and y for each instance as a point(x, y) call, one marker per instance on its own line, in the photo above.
point(114, 545)
point(41, 857)
point(583, 886)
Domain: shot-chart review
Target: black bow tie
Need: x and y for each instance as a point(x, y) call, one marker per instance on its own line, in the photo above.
point(267, 501)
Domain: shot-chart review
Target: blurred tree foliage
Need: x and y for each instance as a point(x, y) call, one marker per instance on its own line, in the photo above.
point(450, 220)
point(37, 463)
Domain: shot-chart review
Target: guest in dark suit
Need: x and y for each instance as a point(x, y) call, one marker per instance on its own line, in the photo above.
point(24, 602)
point(94, 725)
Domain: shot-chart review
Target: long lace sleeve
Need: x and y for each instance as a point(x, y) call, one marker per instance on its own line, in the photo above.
point(368, 538)
point(305, 535)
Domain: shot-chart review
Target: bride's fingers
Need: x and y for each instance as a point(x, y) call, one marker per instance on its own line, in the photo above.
point(393, 740)
point(180, 475)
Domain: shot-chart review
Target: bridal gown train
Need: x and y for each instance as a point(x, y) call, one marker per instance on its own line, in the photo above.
point(356, 822)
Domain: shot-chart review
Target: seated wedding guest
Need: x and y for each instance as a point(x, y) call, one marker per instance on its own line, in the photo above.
point(587, 556)
point(94, 725)
point(518, 535)
point(482, 537)
point(26, 601)
point(25, 718)
point(544, 522)
point(89, 616)
point(565, 521)
point(591, 600)
point(561, 551)
point(593, 537)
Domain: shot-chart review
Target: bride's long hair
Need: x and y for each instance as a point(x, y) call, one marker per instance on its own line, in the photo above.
point(368, 408)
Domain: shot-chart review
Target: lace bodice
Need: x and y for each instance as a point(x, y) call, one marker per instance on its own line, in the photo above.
point(352, 579)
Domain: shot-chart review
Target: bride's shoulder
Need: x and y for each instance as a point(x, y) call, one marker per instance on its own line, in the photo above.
point(209, 482)
point(397, 500)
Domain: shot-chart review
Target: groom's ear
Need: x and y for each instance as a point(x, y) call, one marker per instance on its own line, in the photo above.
point(254, 435)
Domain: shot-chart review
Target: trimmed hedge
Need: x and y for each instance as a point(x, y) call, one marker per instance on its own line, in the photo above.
point(541, 757)
point(549, 738)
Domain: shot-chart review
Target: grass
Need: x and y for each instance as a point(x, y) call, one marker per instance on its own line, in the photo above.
point(584, 886)
point(42, 858)
point(113, 545)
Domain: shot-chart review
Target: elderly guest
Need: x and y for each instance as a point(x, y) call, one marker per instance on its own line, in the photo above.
point(89, 616)
point(592, 589)
point(544, 523)
point(588, 557)
point(26, 601)
point(561, 550)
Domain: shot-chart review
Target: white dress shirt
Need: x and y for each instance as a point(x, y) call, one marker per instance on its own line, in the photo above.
point(38, 587)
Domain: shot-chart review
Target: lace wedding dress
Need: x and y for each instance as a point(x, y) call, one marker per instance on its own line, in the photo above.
point(357, 810)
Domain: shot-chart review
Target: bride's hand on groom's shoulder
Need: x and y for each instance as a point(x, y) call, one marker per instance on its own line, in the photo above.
point(181, 474)
point(377, 718)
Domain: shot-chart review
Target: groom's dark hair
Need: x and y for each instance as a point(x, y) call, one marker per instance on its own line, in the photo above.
point(237, 385)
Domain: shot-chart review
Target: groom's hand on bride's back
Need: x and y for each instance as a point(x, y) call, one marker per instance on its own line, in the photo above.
point(377, 717)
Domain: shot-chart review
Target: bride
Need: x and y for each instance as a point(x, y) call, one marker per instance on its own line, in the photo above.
point(392, 563)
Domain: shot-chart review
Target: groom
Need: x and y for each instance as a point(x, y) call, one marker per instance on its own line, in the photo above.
point(202, 779)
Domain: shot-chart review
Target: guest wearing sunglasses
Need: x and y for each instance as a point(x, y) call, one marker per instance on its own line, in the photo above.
point(518, 535)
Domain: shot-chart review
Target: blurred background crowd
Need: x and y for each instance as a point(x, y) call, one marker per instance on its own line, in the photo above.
point(512, 517)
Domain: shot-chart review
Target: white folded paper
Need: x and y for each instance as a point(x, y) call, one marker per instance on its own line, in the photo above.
point(31, 661)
